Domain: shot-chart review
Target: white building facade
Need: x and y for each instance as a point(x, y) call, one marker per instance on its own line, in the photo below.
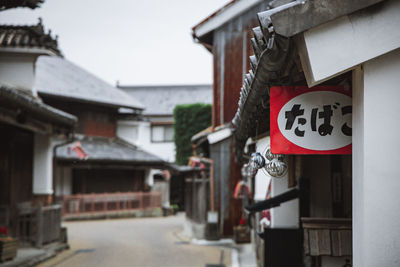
point(154, 132)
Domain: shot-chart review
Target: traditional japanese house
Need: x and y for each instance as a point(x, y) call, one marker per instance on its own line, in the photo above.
point(28, 128)
point(227, 35)
point(322, 206)
point(155, 129)
point(319, 210)
point(95, 161)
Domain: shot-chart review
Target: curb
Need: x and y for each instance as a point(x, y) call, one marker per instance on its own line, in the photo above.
point(50, 252)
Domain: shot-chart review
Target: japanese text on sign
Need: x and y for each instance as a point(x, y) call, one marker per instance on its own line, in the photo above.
point(307, 121)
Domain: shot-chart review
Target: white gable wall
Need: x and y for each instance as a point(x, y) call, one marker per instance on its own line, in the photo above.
point(17, 70)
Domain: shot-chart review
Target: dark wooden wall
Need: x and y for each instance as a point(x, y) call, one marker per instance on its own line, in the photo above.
point(231, 51)
point(16, 164)
point(86, 181)
point(93, 120)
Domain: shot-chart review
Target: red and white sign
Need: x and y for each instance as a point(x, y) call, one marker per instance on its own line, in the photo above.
point(311, 120)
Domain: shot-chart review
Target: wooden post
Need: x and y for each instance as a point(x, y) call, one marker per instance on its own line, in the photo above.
point(39, 226)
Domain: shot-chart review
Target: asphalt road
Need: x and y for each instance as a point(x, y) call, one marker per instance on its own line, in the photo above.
point(141, 242)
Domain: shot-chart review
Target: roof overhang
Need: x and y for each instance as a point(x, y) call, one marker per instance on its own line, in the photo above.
point(222, 16)
point(87, 101)
point(37, 51)
point(276, 60)
point(212, 135)
point(361, 36)
point(113, 151)
point(26, 111)
point(301, 15)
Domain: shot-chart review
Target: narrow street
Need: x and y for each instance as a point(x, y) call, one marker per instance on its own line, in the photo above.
point(142, 242)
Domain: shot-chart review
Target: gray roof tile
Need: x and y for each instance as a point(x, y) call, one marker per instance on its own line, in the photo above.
point(107, 149)
point(161, 100)
point(17, 36)
point(59, 77)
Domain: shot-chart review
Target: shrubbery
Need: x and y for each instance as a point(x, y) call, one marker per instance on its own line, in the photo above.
point(189, 120)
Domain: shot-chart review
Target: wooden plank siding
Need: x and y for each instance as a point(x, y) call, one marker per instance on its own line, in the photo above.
point(231, 62)
point(93, 120)
point(231, 49)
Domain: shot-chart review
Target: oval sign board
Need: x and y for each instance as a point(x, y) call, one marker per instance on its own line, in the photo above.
point(311, 121)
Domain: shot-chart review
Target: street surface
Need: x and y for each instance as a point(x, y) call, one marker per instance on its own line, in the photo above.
point(141, 242)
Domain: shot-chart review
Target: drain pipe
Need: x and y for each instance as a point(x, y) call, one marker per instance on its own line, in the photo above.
point(70, 140)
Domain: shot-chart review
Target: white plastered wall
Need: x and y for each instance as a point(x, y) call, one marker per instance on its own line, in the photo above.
point(376, 157)
point(139, 133)
point(42, 165)
point(17, 70)
point(342, 44)
point(287, 214)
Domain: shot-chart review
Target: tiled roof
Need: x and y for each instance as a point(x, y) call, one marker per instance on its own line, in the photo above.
point(275, 60)
point(6, 4)
point(12, 36)
point(161, 100)
point(102, 149)
point(58, 77)
point(12, 97)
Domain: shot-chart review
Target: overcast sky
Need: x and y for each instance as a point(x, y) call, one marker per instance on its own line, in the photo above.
point(135, 42)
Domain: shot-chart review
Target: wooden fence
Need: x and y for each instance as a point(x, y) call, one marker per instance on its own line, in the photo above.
point(109, 202)
point(39, 225)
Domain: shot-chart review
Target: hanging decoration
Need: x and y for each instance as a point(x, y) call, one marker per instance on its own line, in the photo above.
point(273, 164)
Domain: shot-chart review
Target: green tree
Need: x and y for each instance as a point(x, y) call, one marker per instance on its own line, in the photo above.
point(189, 120)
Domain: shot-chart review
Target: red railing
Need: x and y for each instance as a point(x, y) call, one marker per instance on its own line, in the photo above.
point(110, 202)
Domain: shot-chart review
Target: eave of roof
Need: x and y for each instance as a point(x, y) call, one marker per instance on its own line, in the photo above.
point(34, 106)
point(102, 149)
point(275, 60)
point(221, 16)
point(301, 15)
point(202, 136)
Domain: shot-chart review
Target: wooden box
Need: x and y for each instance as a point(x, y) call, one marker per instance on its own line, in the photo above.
point(241, 234)
point(8, 248)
